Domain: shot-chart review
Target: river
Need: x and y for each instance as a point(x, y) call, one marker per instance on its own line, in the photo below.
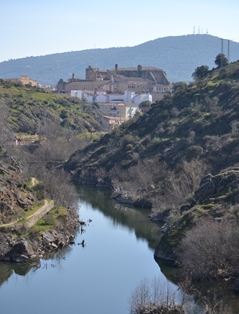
point(95, 279)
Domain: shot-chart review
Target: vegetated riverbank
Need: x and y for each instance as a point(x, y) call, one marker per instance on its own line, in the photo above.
point(27, 245)
point(30, 224)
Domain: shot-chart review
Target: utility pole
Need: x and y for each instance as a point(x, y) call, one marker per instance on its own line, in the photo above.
point(222, 45)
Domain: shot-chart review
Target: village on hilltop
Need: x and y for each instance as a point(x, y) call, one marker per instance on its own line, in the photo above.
point(118, 92)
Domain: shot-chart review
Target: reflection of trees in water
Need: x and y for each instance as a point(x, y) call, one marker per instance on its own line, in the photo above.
point(8, 269)
point(51, 260)
point(5, 272)
point(135, 219)
point(58, 255)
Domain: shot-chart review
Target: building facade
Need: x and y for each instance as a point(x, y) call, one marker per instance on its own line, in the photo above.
point(139, 80)
point(103, 97)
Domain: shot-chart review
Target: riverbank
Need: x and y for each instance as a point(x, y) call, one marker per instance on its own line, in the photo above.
point(21, 242)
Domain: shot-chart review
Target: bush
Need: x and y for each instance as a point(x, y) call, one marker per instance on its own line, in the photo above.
point(194, 152)
point(210, 250)
point(155, 297)
point(49, 219)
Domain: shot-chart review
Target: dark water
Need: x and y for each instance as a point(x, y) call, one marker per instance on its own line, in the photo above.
point(96, 279)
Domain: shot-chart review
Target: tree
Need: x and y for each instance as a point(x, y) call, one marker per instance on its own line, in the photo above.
point(210, 250)
point(156, 296)
point(200, 72)
point(144, 106)
point(60, 85)
point(180, 86)
point(221, 60)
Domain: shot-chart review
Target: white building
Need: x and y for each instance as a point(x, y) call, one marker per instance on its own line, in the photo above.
point(101, 97)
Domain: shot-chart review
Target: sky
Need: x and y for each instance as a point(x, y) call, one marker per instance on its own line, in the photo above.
point(37, 28)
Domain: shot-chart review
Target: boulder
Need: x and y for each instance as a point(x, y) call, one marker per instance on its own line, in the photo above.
point(205, 190)
point(24, 247)
point(47, 236)
point(165, 228)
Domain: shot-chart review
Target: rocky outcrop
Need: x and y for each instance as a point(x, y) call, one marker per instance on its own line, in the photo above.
point(216, 186)
point(160, 216)
point(18, 249)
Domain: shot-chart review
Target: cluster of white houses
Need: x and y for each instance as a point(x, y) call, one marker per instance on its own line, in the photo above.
point(115, 108)
point(103, 97)
point(119, 91)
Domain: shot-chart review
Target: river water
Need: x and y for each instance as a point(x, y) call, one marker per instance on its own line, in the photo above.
point(95, 279)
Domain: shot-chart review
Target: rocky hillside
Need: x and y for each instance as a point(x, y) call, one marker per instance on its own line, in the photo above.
point(191, 132)
point(181, 157)
point(21, 241)
point(14, 195)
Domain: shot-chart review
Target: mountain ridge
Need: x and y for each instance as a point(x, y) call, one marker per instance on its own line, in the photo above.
point(178, 56)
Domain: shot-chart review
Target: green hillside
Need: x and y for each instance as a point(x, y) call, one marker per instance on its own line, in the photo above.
point(28, 108)
point(177, 55)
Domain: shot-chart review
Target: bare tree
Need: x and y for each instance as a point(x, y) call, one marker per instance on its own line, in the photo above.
point(210, 250)
point(180, 184)
point(156, 296)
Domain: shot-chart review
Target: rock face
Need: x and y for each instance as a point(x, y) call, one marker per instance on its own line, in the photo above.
point(212, 186)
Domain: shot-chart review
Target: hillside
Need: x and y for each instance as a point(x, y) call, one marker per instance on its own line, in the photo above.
point(38, 131)
point(199, 122)
point(27, 109)
point(181, 158)
point(177, 55)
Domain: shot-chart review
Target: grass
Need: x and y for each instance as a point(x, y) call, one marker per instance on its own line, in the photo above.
point(50, 220)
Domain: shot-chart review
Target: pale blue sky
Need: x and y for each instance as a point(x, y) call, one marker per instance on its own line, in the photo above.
point(33, 28)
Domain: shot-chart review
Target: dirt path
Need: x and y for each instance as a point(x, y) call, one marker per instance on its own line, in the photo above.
point(33, 181)
point(32, 219)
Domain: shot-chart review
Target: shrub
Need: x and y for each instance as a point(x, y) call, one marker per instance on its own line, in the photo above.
point(155, 297)
point(194, 152)
point(210, 250)
point(49, 219)
point(128, 139)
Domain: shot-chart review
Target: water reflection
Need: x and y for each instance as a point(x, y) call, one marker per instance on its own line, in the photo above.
point(135, 220)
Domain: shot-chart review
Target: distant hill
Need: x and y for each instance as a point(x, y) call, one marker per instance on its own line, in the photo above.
point(177, 55)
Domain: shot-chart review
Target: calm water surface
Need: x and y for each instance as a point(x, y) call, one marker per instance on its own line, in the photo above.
point(96, 279)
